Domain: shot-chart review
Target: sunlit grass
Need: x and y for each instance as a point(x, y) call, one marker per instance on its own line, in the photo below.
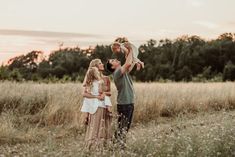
point(45, 119)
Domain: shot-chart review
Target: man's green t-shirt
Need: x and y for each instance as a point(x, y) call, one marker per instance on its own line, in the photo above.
point(124, 86)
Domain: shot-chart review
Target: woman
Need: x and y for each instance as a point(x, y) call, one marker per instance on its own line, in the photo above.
point(97, 105)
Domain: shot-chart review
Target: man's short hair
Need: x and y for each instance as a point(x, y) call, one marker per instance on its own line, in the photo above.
point(109, 67)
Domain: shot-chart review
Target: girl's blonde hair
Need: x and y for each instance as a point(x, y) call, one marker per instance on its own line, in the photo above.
point(93, 64)
point(92, 75)
point(121, 40)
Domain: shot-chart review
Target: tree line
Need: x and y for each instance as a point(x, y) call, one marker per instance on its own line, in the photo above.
point(187, 58)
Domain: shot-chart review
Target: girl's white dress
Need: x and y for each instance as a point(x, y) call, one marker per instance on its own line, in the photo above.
point(135, 52)
point(91, 105)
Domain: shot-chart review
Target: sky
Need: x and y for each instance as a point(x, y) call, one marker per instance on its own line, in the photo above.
point(27, 25)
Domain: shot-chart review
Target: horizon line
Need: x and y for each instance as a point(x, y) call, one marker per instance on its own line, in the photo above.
point(47, 34)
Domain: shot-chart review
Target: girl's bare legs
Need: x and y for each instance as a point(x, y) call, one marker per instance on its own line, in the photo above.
point(85, 118)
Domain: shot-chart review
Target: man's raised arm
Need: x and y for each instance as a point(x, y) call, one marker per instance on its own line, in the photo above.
point(128, 62)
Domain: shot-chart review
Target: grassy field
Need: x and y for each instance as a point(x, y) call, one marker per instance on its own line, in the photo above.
point(170, 119)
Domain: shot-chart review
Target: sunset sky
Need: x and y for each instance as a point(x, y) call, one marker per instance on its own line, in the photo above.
point(27, 25)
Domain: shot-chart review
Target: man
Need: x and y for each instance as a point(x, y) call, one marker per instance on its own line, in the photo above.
point(125, 97)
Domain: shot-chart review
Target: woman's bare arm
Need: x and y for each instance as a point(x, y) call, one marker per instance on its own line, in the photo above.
point(107, 84)
point(86, 94)
point(107, 93)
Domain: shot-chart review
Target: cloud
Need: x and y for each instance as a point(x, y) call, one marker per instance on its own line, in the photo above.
point(168, 31)
point(232, 23)
point(46, 34)
point(196, 3)
point(207, 24)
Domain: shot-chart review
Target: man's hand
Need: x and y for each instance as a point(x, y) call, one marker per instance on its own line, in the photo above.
point(139, 65)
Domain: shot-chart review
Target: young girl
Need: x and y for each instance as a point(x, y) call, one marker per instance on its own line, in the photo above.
point(124, 46)
point(97, 118)
point(95, 86)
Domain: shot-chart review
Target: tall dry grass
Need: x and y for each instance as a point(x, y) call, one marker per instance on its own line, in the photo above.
point(211, 135)
point(170, 99)
point(34, 112)
point(59, 104)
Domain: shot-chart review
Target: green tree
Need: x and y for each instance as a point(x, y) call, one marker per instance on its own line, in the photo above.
point(27, 64)
point(229, 72)
point(4, 73)
point(184, 58)
point(15, 75)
